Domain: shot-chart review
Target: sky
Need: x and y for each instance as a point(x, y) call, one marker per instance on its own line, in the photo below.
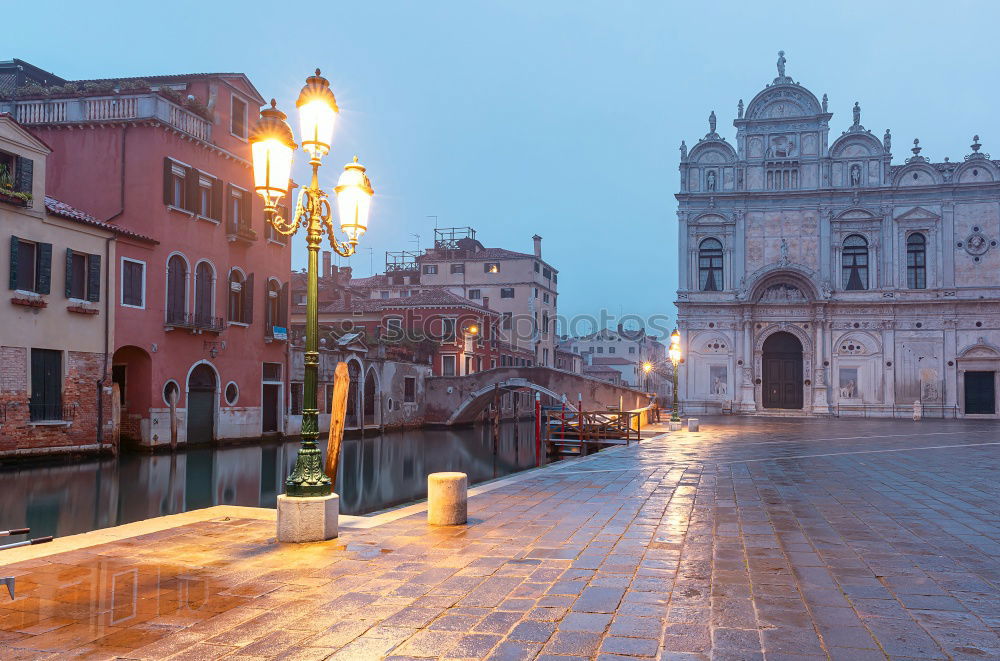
point(556, 117)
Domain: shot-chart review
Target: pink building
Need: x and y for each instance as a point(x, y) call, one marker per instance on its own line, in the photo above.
point(200, 316)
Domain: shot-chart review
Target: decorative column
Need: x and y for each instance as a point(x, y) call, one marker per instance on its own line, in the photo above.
point(889, 363)
point(947, 247)
point(821, 394)
point(745, 377)
point(950, 366)
point(682, 250)
point(888, 240)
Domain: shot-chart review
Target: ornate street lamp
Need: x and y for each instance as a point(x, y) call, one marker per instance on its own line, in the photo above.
point(272, 147)
point(675, 360)
point(647, 367)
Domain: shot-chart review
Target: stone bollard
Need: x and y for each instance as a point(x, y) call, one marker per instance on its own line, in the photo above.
point(312, 519)
point(447, 499)
point(918, 410)
point(674, 425)
point(692, 424)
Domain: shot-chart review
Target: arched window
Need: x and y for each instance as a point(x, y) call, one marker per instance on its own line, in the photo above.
point(204, 306)
point(277, 307)
point(176, 289)
point(710, 265)
point(916, 261)
point(240, 297)
point(854, 263)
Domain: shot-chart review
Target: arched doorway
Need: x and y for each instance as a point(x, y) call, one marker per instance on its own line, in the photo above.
point(201, 405)
point(131, 370)
point(782, 372)
point(371, 398)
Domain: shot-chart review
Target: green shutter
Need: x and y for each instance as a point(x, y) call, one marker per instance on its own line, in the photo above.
point(168, 182)
point(69, 272)
point(24, 171)
point(14, 243)
point(94, 278)
point(44, 268)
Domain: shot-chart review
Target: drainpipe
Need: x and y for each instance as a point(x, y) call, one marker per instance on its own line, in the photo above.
point(107, 342)
point(108, 294)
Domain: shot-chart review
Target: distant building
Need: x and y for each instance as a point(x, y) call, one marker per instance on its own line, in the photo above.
point(56, 331)
point(200, 312)
point(567, 359)
point(604, 373)
point(627, 351)
point(818, 276)
point(522, 287)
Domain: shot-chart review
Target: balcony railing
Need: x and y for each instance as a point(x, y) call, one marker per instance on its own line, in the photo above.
point(109, 108)
point(240, 232)
point(51, 412)
point(195, 321)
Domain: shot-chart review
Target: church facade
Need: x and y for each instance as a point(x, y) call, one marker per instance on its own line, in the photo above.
point(818, 276)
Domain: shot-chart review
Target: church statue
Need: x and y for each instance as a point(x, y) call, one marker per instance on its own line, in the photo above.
point(710, 180)
point(784, 251)
point(857, 113)
point(855, 175)
point(826, 103)
point(684, 150)
point(739, 110)
point(781, 64)
point(711, 122)
point(887, 141)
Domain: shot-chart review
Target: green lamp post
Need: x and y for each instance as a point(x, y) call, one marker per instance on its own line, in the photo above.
point(272, 147)
point(675, 360)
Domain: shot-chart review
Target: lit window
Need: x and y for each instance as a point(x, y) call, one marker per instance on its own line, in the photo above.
point(491, 267)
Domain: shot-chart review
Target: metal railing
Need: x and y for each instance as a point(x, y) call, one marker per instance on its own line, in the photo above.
point(51, 411)
point(195, 321)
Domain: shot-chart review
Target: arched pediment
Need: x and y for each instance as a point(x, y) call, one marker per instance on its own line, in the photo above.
point(712, 152)
point(975, 171)
point(711, 341)
point(711, 219)
point(980, 350)
point(857, 343)
point(856, 213)
point(780, 327)
point(786, 100)
point(781, 283)
point(856, 145)
point(916, 174)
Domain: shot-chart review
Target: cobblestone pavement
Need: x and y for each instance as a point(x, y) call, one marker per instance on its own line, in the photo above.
point(756, 538)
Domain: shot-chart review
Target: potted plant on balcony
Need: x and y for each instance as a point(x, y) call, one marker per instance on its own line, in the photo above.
point(7, 188)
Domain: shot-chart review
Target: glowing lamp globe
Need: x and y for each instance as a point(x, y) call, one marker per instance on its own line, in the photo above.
point(675, 347)
point(271, 147)
point(354, 200)
point(317, 115)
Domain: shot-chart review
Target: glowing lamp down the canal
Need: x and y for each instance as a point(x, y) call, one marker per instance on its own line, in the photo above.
point(647, 367)
point(317, 115)
point(675, 348)
point(271, 146)
point(354, 200)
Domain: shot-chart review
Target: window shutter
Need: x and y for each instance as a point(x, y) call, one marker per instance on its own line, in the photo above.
point(283, 306)
point(245, 204)
point(248, 300)
point(69, 272)
point(217, 199)
point(191, 192)
point(168, 182)
point(94, 278)
point(227, 204)
point(25, 169)
point(44, 268)
point(14, 242)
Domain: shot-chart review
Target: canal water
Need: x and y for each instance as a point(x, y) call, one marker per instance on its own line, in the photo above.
point(377, 472)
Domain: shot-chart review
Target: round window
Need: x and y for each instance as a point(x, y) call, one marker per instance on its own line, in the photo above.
point(389, 403)
point(170, 389)
point(232, 393)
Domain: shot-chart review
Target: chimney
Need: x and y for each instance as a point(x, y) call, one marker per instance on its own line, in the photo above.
point(621, 328)
point(538, 246)
point(327, 264)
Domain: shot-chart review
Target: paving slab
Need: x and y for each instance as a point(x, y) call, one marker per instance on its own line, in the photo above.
point(753, 538)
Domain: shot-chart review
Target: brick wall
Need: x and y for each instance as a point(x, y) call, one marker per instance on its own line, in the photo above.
point(81, 370)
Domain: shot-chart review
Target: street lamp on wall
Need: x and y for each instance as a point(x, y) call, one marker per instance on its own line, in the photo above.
point(675, 360)
point(272, 147)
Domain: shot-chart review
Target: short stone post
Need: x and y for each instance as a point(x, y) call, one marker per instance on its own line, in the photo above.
point(692, 424)
point(312, 519)
point(447, 499)
point(918, 410)
point(674, 425)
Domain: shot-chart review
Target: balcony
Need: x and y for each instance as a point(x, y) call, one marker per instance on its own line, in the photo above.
point(120, 107)
point(195, 322)
point(241, 232)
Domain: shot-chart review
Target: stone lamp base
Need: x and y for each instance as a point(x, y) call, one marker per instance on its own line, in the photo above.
point(311, 519)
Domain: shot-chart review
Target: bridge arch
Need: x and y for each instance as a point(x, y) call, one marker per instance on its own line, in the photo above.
point(477, 400)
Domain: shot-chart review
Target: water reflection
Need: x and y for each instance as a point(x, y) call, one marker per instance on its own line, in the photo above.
point(376, 472)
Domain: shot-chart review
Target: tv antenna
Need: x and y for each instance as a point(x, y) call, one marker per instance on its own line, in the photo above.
point(416, 240)
point(435, 221)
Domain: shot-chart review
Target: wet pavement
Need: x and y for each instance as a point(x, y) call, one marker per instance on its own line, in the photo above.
point(755, 538)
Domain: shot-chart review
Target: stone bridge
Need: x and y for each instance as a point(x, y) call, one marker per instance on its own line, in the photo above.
point(461, 399)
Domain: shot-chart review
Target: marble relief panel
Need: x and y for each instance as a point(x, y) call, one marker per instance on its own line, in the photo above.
point(977, 227)
point(755, 178)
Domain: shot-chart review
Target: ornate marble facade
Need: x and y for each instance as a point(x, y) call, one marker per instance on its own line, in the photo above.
point(819, 275)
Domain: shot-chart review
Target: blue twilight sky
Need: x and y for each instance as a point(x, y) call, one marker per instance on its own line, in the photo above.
point(560, 117)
